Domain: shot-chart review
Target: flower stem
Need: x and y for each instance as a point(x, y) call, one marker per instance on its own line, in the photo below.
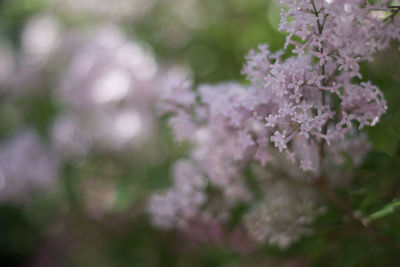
point(346, 209)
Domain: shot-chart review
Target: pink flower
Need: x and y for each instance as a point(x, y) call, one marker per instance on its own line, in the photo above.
point(323, 57)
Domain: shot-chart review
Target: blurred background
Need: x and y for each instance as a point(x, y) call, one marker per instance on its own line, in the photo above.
point(81, 145)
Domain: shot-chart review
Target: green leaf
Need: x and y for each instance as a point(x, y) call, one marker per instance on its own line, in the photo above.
point(386, 210)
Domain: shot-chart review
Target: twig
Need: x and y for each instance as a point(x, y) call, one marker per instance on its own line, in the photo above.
point(346, 209)
point(396, 9)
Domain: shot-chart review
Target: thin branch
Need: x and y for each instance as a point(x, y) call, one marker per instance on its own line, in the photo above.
point(394, 13)
point(346, 209)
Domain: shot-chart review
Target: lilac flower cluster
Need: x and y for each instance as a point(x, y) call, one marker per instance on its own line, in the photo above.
point(211, 165)
point(283, 215)
point(293, 124)
point(304, 113)
point(103, 83)
point(227, 139)
point(314, 95)
point(22, 72)
point(107, 92)
point(26, 165)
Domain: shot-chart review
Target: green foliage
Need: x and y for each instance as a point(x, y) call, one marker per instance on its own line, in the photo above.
point(385, 211)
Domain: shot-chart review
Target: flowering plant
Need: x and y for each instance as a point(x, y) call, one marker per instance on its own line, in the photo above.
point(294, 126)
